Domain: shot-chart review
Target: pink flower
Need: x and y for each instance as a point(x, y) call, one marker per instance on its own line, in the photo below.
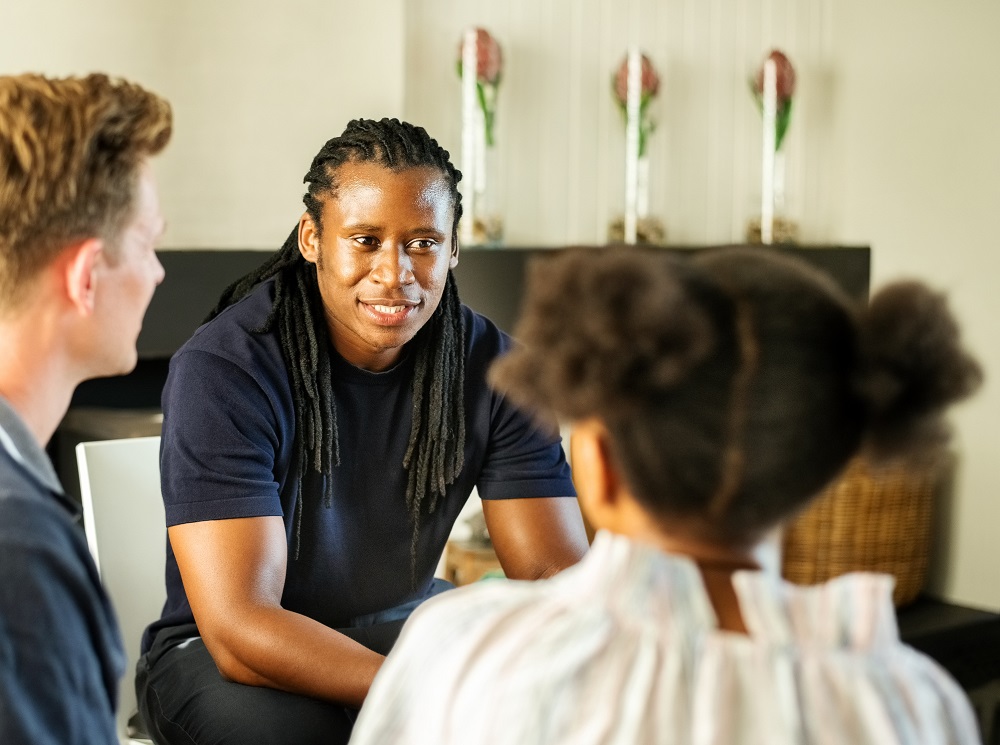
point(650, 81)
point(786, 76)
point(785, 85)
point(649, 86)
point(489, 62)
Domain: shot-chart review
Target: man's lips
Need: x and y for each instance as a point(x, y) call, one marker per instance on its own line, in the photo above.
point(388, 312)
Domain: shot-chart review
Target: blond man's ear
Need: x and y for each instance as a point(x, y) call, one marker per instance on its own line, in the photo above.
point(77, 270)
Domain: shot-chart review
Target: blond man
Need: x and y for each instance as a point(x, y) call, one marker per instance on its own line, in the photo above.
point(79, 221)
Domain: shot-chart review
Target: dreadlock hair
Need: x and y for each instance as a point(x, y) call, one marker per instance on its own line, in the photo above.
point(435, 453)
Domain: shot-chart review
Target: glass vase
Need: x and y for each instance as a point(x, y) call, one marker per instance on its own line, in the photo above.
point(648, 229)
point(783, 228)
point(482, 221)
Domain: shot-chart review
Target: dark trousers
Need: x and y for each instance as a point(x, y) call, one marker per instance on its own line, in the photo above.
point(183, 699)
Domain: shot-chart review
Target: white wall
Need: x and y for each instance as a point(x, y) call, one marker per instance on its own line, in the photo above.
point(560, 134)
point(61, 37)
point(917, 110)
point(257, 88)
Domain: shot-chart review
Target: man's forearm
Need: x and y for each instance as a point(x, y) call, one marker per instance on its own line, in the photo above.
point(536, 538)
point(276, 648)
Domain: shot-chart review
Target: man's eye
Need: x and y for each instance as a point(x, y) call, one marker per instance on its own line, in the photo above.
point(365, 240)
point(423, 244)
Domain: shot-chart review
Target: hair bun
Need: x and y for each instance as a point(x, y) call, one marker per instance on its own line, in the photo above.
point(913, 367)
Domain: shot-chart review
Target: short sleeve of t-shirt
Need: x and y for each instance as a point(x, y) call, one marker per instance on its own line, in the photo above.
point(522, 459)
point(221, 440)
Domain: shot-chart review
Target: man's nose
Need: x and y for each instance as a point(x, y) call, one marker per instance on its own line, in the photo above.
point(394, 267)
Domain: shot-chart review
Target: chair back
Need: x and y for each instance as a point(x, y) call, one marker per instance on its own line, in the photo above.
point(125, 526)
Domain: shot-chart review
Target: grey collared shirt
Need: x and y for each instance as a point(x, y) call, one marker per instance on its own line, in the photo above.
point(21, 445)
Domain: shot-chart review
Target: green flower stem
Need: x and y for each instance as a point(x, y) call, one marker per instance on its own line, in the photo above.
point(781, 121)
point(488, 113)
point(782, 117)
point(646, 125)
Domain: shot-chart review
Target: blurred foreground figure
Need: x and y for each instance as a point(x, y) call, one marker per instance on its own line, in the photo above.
point(711, 400)
point(79, 221)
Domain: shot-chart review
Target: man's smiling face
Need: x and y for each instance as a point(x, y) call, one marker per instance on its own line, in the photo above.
point(382, 257)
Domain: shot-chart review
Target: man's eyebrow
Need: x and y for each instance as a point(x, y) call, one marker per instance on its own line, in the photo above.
point(365, 227)
point(368, 227)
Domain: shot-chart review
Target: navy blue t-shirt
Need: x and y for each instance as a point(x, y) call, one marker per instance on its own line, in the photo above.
point(228, 430)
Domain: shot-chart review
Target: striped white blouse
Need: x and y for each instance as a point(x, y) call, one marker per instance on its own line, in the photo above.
point(624, 648)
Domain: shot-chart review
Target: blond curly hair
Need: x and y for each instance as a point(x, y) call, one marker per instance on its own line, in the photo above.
point(70, 152)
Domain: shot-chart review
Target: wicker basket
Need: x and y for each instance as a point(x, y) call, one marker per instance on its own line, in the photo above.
point(867, 521)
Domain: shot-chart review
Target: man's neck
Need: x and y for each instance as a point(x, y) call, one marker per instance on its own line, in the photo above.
point(34, 379)
point(40, 414)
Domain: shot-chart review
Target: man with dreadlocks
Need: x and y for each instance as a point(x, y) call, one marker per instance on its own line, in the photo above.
point(321, 434)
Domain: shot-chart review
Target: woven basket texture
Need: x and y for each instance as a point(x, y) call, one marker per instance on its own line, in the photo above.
point(867, 520)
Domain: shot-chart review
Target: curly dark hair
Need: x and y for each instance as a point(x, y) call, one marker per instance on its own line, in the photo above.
point(736, 384)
